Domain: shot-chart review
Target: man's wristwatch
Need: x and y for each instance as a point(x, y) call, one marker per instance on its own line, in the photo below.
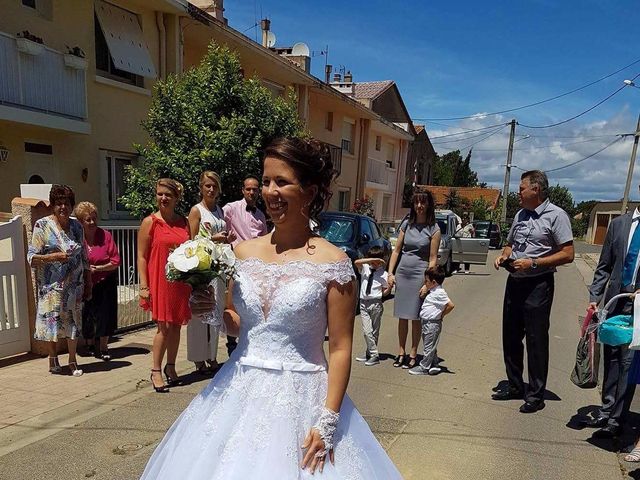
point(534, 263)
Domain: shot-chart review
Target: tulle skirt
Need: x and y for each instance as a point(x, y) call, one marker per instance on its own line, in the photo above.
point(250, 423)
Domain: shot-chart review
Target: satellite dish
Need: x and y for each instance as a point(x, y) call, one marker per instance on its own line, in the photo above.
point(271, 39)
point(300, 50)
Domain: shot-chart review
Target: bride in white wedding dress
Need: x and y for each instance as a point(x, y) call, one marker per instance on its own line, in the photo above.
point(277, 410)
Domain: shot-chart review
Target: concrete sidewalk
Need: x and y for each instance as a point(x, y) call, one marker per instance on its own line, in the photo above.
point(36, 404)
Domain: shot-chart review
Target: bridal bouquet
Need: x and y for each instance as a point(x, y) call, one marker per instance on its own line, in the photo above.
point(199, 262)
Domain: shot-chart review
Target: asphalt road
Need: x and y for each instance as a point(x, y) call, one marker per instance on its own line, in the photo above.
point(442, 427)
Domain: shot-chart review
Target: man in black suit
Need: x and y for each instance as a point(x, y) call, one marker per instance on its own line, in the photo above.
point(617, 272)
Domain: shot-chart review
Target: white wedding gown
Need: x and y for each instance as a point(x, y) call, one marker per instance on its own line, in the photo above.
point(251, 420)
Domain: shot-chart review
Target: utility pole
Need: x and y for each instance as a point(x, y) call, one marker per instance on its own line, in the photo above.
point(632, 161)
point(507, 173)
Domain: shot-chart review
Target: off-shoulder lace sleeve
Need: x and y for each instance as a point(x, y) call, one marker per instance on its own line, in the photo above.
point(340, 271)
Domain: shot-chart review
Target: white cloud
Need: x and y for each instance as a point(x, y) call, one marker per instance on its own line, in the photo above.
point(601, 177)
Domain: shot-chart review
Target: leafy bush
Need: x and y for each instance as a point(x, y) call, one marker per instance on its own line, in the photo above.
point(208, 118)
point(364, 206)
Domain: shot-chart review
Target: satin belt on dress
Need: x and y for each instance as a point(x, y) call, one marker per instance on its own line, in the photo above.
point(279, 365)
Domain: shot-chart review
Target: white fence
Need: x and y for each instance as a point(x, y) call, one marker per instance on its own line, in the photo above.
point(129, 312)
point(41, 81)
point(14, 312)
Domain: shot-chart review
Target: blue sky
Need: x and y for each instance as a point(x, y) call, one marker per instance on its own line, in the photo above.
point(468, 57)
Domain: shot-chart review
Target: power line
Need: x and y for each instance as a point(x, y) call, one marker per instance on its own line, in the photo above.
point(581, 136)
point(534, 103)
point(578, 115)
point(537, 147)
point(485, 138)
point(466, 131)
point(458, 140)
point(581, 160)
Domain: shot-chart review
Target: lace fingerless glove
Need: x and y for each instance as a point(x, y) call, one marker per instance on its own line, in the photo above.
point(326, 427)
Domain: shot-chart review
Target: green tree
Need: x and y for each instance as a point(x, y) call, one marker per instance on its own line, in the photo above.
point(481, 209)
point(209, 118)
point(455, 203)
point(452, 171)
point(561, 196)
point(513, 205)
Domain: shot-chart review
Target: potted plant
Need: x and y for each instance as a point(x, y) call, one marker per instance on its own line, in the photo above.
point(29, 44)
point(75, 58)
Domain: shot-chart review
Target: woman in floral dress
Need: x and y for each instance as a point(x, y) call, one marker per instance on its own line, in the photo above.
point(63, 277)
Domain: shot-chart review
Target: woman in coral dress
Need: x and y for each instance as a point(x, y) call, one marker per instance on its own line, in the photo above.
point(159, 234)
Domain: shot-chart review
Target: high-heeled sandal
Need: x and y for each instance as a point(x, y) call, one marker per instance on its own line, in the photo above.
point(172, 382)
point(54, 369)
point(163, 388)
point(399, 360)
point(411, 363)
point(75, 371)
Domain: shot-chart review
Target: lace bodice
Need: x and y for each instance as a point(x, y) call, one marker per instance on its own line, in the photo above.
point(283, 307)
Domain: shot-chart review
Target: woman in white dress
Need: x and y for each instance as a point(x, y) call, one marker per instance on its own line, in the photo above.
point(277, 410)
point(207, 220)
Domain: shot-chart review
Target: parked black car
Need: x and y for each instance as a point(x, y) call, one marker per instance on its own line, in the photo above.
point(490, 230)
point(353, 233)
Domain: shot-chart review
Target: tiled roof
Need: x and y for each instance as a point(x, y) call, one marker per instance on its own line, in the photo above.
point(371, 89)
point(491, 195)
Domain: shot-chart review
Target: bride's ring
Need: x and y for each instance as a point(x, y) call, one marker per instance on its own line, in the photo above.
point(321, 454)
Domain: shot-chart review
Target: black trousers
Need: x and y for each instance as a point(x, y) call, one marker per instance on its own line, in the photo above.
point(525, 315)
point(617, 392)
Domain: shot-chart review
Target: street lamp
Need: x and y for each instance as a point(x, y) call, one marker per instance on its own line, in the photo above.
point(630, 83)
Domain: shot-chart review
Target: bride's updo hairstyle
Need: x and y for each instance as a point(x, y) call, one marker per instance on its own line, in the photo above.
point(311, 161)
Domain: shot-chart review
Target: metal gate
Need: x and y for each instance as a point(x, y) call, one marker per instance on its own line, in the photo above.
point(130, 314)
point(14, 312)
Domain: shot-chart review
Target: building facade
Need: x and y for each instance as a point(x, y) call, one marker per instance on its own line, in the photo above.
point(79, 80)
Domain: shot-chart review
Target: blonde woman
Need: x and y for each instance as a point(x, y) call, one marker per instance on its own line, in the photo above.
point(207, 220)
point(160, 233)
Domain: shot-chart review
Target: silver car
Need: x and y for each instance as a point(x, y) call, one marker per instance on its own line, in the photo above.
point(454, 249)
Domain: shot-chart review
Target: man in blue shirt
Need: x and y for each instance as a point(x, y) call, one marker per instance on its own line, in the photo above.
point(540, 239)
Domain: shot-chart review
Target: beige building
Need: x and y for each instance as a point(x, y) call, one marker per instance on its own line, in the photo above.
point(388, 142)
point(77, 82)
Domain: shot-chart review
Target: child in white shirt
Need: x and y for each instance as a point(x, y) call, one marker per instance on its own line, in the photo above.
point(434, 307)
point(373, 286)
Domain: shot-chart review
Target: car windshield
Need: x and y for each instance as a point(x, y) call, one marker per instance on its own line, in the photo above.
point(337, 230)
point(482, 225)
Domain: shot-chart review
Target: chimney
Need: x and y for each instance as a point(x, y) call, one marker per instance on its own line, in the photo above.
point(215, 8)
point(348, 77)
point(327, 73)
point(265, 25)
point(337, 77)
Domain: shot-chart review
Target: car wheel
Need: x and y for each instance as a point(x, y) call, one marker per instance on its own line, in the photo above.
point(448, 267)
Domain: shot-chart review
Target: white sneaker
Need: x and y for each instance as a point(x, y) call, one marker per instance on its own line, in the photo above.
point(435, 370)
point(75, 371)
point(374, 360)
point(362, 358)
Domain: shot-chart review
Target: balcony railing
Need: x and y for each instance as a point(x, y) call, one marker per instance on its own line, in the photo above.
point(377, 172)
point(38, 79)
point(336, 157)
point(347, 146)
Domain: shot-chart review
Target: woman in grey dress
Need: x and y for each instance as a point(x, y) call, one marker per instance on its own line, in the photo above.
point(418, 242)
